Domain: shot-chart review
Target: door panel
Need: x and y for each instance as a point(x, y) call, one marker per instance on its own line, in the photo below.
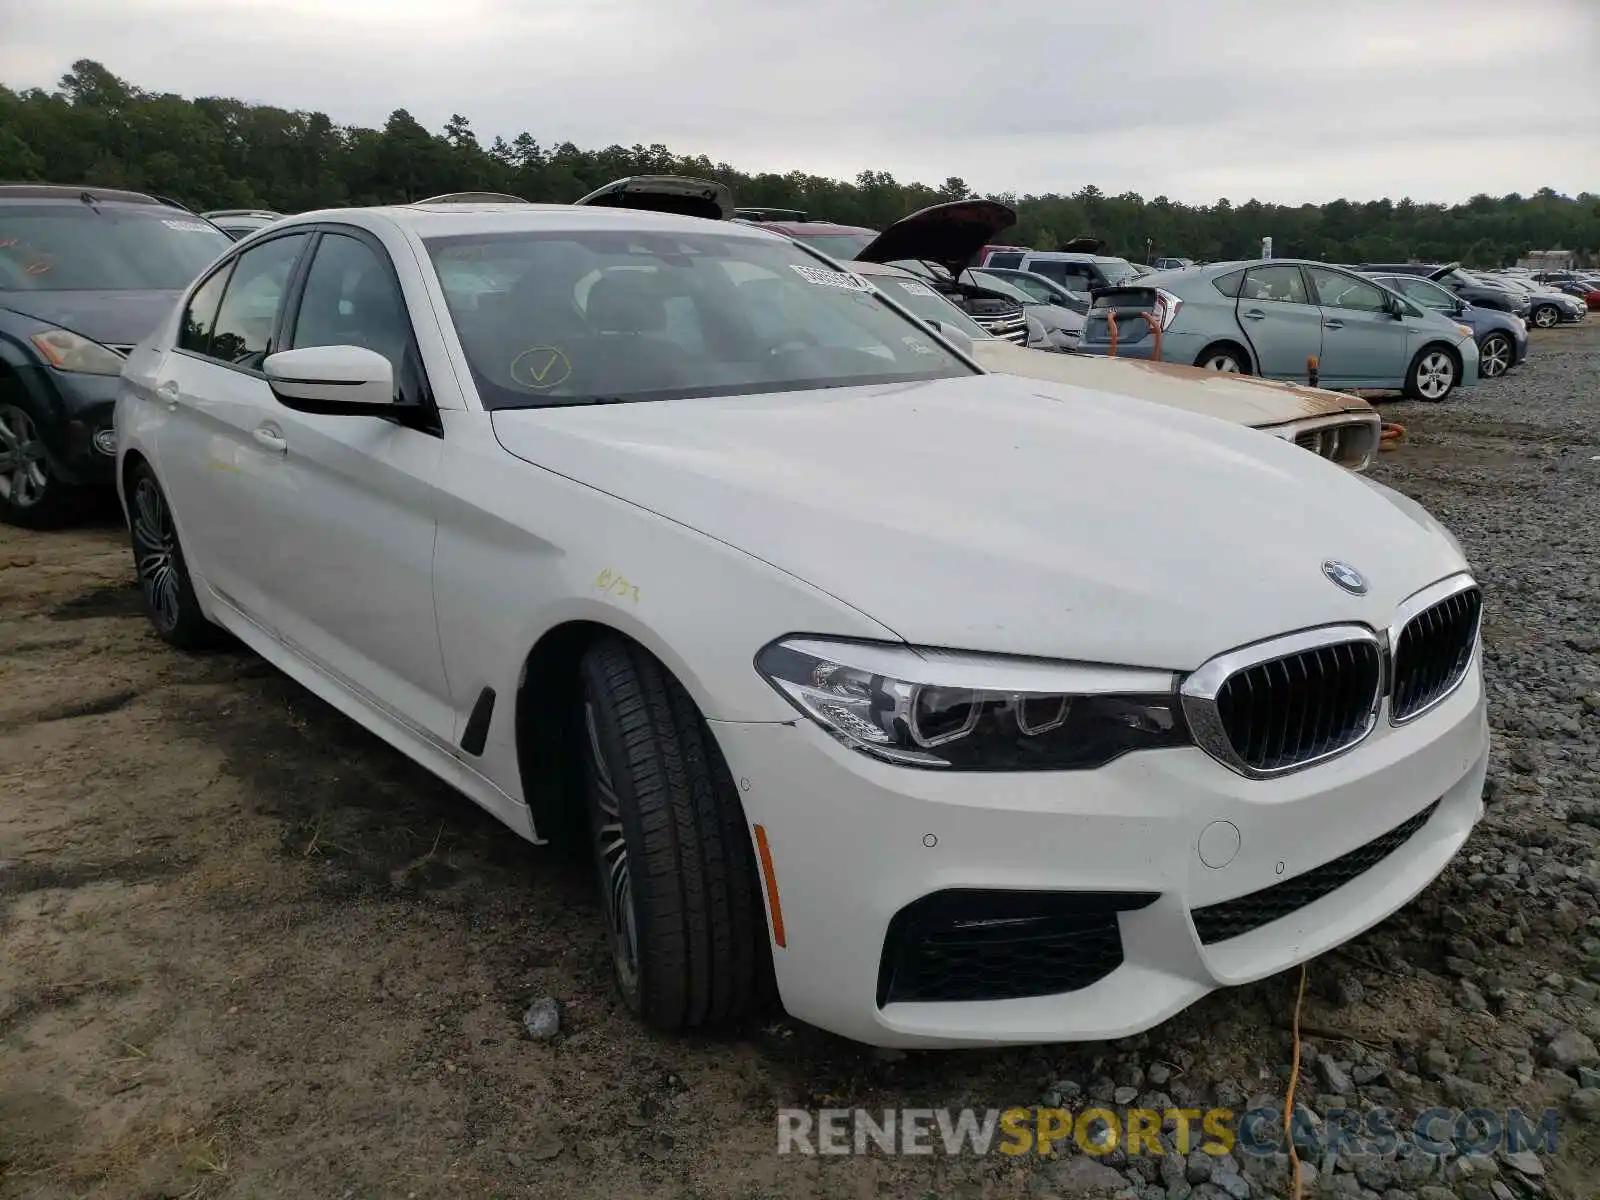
point(1363, 344)
point(351, 579)
point(216, 472)
point(1282, 325)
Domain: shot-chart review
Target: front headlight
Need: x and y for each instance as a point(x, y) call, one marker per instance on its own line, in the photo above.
point(1464, 330)
point(971, 712)
point(68, 351)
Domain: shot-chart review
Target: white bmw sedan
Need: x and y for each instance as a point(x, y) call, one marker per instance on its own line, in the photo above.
point(962, 714)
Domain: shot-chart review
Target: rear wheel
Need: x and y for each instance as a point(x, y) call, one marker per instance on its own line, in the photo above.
point(1224, 357)
point(1546, 316)
point(1494, 356)
point(671, 849)
point(31, 496)
point(1433, 374)
point(169, 600)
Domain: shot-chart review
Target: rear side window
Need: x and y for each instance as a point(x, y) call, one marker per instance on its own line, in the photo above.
point(194, 333)
point(1228, 284)
point(250, 305)
point(1284, 284)
point(1006, 258)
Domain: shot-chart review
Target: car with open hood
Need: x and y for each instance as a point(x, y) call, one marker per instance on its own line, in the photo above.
point(828, 237)
point(965, 708)
point(85, 272)
point(241, 222)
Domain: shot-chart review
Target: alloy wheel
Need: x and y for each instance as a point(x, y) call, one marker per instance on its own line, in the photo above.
point(1494, 356)
point(155, 555)
point(22, 460)
point(1436, 375)
point(1546, 317)
point(1226, 363)
point(611, 858)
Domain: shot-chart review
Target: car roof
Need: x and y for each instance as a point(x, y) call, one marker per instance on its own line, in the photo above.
point(74, 194)
point(444, 220)
point(802, 228)
point(1069, 256)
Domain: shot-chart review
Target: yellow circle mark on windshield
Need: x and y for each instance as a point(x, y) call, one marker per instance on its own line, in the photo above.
point(541, 368)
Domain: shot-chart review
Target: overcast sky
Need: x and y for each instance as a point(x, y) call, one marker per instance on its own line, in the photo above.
point(1286, 100)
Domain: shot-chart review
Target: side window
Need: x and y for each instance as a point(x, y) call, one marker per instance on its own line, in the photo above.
point(1426, 294)
point(1050, 270)
point(351, 299)
point(194, 333)
point(250, 305)
point(1228, 284)
point(1080, 278)
point(1004, 259)
point(1335, 289)
point(1284, 284)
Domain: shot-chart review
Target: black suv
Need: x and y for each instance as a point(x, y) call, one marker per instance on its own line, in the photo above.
point(1470, 288)
point(85, 274)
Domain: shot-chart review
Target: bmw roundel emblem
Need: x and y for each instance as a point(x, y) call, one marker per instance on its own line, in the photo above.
point(1346, 576)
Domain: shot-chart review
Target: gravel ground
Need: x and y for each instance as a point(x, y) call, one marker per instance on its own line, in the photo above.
point(251, 952)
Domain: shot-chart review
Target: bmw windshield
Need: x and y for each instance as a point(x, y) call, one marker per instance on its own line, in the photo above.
point(80, 248)
point(592, 316)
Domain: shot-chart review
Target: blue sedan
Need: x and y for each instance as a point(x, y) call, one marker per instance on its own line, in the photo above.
point(1502, 337)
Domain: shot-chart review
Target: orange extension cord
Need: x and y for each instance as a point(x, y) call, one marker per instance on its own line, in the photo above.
point(1294, 1080)
point(1393, 431)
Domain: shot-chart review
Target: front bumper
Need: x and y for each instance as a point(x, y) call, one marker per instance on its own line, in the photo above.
point(71, 410)
point(855, 841)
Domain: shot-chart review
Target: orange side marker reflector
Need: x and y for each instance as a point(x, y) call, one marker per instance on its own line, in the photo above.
point(767, 873)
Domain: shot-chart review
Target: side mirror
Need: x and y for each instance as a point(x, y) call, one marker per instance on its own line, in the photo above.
point(959, 338)
point(333, 380)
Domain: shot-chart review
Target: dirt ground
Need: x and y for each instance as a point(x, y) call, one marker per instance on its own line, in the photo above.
point(247, 950)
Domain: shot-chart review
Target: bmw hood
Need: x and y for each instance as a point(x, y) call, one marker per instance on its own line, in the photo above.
point(982, 513)
point(110, 318)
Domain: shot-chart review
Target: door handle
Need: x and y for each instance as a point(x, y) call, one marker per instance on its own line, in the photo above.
point(271, 439)
point(1254, 314)
point(167, 393)
point(1333, 324)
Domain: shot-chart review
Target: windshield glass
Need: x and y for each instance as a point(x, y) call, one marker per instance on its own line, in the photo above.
point(68, 248)
point(592, 316)
point(1002, 287)
point(1117, 270)
point(837, 245)
point(928, 304)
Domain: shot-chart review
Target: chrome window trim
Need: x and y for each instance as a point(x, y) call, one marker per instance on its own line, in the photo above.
point(1198, 692)
point(1413, 607)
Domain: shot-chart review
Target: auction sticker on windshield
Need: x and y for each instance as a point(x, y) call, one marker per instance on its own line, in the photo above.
point(187, 226)
point(912, 288)
point(826, 278)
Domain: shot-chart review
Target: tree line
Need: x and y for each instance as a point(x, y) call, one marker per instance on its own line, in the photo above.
point(210, 152)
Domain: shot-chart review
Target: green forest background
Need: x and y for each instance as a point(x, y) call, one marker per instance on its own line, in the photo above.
point(218, 153)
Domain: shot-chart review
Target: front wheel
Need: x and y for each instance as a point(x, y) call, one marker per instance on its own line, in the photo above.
point(678, 885)
point(31, 496)
point(1547, 316)
point(1433, 375)
point(1494, 356)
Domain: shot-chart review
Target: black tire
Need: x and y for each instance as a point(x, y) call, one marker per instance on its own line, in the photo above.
point(1545, 316)
point(31, 494)
point(1222, 352)
point(1494, 355)
point(1433, 374)
point(164, 585)
point(684, 921)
